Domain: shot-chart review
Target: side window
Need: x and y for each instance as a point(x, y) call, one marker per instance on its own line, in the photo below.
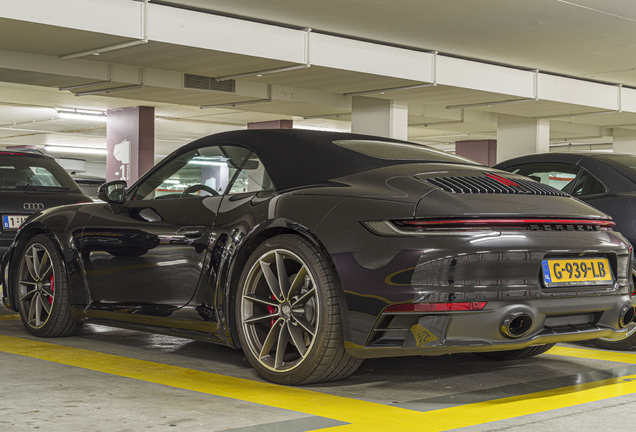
point(587, 185)
point(557, 175)
point(206, 171)
point(202, 172)
point(252, 177)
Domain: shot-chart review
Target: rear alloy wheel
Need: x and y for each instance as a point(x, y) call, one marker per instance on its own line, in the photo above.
point(515, 354)
point(288, 315)
point(42, 287)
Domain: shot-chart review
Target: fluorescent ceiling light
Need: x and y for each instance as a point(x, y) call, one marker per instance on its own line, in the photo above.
point(80, 114)
point(68, 149)
point(204, 162)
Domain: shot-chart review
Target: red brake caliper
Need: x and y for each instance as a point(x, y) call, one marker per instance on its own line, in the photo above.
point(52, 280)
point(271, 310)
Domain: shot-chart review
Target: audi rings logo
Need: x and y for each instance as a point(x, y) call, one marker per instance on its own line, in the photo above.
point(33, 206)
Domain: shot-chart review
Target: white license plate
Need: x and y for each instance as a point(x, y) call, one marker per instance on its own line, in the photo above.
point(12, 222)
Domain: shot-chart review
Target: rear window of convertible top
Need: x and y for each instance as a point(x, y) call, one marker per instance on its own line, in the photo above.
point(400, 151)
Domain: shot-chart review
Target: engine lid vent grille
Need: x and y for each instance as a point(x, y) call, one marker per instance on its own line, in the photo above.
point(200, 82)
point(493, 184)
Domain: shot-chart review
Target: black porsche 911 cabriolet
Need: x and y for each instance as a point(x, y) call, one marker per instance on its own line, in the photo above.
point(314, 250)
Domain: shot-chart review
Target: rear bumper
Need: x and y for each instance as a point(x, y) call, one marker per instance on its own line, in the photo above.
point(502, 269)
point(553, 320)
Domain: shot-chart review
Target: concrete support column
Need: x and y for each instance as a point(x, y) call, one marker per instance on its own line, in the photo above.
point(381, 117)
point(519, 136)
point(624, 141)
point(273, 124)
point(130, 141)
point(482, 151)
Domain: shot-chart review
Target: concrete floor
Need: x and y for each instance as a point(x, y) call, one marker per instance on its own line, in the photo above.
point(107, 379)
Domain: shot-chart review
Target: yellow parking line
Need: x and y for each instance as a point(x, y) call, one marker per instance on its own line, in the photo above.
point(592, 354)
point(533, 403)
point(9, 317)
point(361, 415)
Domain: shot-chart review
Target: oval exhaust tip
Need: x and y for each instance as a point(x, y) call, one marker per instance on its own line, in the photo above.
point(516, 324)
point(627, 315)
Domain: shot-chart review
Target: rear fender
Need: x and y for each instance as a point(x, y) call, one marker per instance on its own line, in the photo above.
point(229, 280)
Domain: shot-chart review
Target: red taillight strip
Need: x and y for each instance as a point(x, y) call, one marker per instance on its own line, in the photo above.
point(12, 153)
point(501, 179)
point(436, 307)
point(481, 222)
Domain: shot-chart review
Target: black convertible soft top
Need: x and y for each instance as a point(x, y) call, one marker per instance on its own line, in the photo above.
point(296, 157)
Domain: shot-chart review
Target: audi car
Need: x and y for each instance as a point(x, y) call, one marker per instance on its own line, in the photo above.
point(605, 181)
point(31, 182)
point(312, 251)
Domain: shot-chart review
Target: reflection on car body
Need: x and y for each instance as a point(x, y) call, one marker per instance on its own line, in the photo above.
point(312, 251)
point(117, 242)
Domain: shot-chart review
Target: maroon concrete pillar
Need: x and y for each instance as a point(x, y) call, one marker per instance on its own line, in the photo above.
point(274, 124)
point(130, 141)
point(482, 151)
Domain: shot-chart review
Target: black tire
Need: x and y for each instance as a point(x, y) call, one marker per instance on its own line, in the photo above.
point(625, 344)
point(515, 354)
point(277, 315)
point(43, 290)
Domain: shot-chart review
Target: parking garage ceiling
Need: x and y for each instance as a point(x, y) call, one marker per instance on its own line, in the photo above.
point(458, 63)
point(584, 38)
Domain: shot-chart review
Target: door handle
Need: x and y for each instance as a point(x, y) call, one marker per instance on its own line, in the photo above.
point(191, 232)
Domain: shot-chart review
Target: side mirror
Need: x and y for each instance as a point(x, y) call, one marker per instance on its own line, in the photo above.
point(113, 192)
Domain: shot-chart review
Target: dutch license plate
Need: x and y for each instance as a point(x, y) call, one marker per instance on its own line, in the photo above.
point(12, 222)
point(567, 272)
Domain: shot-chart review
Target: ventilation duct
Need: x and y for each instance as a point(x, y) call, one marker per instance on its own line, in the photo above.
point(200, 82)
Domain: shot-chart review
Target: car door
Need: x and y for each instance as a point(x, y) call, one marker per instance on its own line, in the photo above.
point(246, 204)
point(146, 256)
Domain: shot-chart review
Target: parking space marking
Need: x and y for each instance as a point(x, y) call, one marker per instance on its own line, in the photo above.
point(533, 403)
point(517, 389)
point(9, 317)
point(594, 354)
point(358, 415)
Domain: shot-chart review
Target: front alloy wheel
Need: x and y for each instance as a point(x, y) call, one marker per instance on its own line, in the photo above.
point(42, 288)
point(36, 285)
